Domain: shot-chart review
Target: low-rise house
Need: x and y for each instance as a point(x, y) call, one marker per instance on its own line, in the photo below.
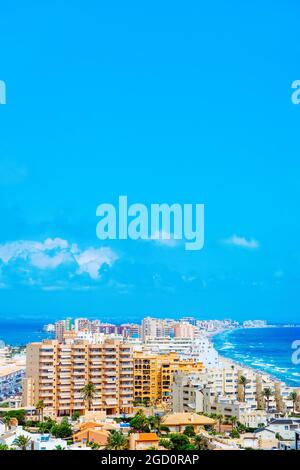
point(36, 441)
point(143, 441)
point(177, 422)
point(262, 439)
point(92, 434)
point(285, 427)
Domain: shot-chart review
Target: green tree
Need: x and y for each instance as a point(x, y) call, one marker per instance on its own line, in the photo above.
point(267, 393)
point(235, 434)
point(62, 430)
point(156, 425)
point(189, 431)
point(40, 407)
point(233, 420)
point(7, 420)
point(93, 445)
point(75, 416)
point(177, 442)
point(219, 418)
point(88, 393)
point(46, 426)
point(4, 447)
point(140, 422)
point(59, 448)
point(22, 442)
point(117, 441)
point(293, 397)
point(243, 382)
point(20, 415)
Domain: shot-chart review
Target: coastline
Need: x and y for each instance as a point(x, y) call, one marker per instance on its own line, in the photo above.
point(227, 360)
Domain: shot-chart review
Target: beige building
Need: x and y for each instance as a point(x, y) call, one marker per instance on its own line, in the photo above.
point(220, 390)
point(177, 422)
point(56, 373)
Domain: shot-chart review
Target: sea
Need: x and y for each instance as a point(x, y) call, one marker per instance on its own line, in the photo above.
point(265, 349)
point(20, 332)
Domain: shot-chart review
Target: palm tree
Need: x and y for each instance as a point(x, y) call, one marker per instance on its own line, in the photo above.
point(117, 441)
point(88, 393)
point(294, 397)
point(243, 381)
point(40, 407)
point(267, 393)
point(233, 420)
point(155, 423)
point(22, 442)
point(219, 418)
point(7, 422)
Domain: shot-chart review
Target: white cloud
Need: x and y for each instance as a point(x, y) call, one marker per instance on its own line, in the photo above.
point(53, 253)
point(242, 242)
point(165, 239)
point(91, 260)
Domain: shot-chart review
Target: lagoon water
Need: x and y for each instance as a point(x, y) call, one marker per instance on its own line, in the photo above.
point(266, 349)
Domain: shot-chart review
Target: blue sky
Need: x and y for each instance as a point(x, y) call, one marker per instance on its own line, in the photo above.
point(163, 103)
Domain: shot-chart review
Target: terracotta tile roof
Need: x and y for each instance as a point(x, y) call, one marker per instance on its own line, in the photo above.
point(145, 437)
point(185, 419)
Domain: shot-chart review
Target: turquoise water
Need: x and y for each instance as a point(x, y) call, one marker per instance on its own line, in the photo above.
point(266, 349)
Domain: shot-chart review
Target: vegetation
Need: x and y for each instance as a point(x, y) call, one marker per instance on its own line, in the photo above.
point(62, 430)
point(140, 422)
point(93, 445)
point(40, 407)
point(243, 381)
point(267, 393)
point(189, 431)
point(235, 434)
point(20, 415)
point(200, 442)
point(75, 416)
point(294, 398)
point(88, 393)
point(4, 447)
point(156, 425)
point(177, 442)
point(117, 441)
point(22, 442)
point(233, 420)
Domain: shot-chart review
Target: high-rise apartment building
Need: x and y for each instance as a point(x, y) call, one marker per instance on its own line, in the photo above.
point(153, 375)
point(61, 327)
point(184, 330)
point(156, 328)
point(56, 373)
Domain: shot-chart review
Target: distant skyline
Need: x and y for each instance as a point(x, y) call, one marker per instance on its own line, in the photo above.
point(162, 103)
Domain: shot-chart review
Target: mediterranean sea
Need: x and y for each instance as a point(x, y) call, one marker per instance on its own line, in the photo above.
point(20, 332)
point(266, 349)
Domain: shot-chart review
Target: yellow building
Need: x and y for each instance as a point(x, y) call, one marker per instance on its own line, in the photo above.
point(153, 375)
point(56, 373)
